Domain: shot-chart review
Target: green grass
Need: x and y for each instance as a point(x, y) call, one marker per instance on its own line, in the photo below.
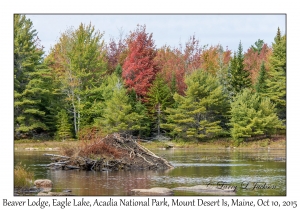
point(22, 176)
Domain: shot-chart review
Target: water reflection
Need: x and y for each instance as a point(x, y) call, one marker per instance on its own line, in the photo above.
point(192, 167)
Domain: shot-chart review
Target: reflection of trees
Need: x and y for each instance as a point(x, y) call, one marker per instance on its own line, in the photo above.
point(209, 158)
point(34, 161)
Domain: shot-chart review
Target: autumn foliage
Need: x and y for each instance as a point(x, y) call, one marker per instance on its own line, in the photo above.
point(254, 59)
point(140, 68)
point(87, 86)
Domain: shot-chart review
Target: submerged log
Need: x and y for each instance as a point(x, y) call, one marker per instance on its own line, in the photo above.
point(111, 153)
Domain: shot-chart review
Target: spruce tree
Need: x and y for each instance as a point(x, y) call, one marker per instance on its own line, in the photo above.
point(260, 85)
point(63, 126)
point(159, 98)
point(240, 77)
point(118, 70)
point(224, 76)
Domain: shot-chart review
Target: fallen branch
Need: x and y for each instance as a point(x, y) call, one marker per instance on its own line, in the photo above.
point(72, 167)
point(53, 155)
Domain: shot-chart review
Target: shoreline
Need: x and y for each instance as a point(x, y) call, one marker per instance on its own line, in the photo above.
point(276, 143)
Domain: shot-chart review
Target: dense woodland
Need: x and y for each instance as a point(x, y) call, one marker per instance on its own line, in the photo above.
point(90, 85)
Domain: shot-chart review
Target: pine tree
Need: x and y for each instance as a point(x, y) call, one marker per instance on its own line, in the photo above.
point(240, 77)
point(26, 53)
point(258, 45)
point(31, 105)
point(252, 116)
point(199, 113)
point(119, 115)
point(276, 84)
point(32, 82)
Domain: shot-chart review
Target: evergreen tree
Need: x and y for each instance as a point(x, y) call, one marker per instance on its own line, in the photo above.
point(276, 82)
point(240, 77)
point(26, 53)
point(224, 76)
point(252, 116)
point(140, 113)
point(199, 113)
point(32, 82)
point(258, 45)
point(158, 99)
point(260, 85)
point(119, 70)
point(63, 126)
point(31, 105)
point(119, 115)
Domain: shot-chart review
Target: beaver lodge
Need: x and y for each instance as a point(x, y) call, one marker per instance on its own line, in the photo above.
point(111, 153)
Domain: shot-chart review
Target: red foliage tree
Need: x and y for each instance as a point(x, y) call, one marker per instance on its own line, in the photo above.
point(140, 68)
point(172, 68)
point(253, 60)
point(114, 52)
point(177, 62)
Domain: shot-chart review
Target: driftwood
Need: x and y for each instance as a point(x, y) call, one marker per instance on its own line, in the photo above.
point(111, 153)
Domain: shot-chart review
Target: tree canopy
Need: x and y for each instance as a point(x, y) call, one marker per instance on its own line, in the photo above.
point(129, 85)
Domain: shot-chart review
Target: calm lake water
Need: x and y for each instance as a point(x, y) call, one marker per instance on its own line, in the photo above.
point(263, 170)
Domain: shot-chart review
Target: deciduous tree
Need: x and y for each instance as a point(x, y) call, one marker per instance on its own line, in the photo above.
point(254, 57)
point(140, 68)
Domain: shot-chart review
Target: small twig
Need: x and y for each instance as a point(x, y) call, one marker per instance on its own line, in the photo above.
point(93, 166)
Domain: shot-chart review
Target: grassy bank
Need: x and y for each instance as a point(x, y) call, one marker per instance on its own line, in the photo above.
point(278, 142)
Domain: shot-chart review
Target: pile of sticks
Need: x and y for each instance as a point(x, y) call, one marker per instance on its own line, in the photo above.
point(113, 152)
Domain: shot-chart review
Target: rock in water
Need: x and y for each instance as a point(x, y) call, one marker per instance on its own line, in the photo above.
point(43, 183)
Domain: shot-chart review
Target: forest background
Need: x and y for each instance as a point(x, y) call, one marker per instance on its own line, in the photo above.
point(88, 85)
